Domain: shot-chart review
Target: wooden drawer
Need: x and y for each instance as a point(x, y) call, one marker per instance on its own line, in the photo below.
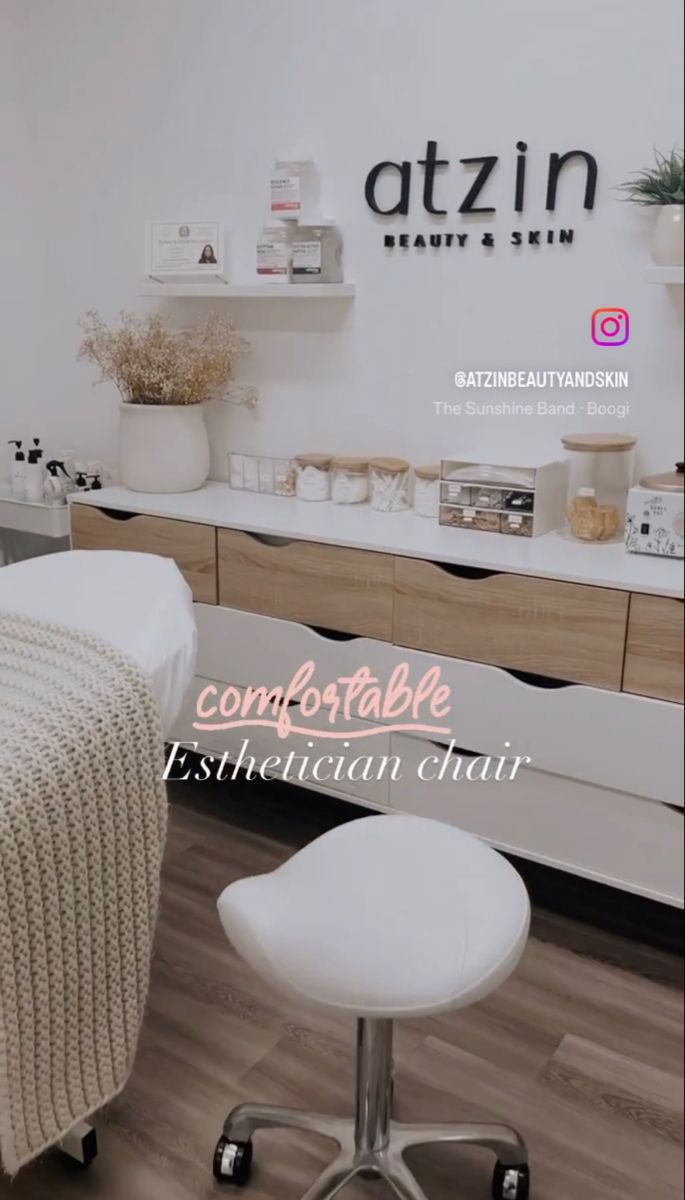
point(327, 586)
point(192, 547)
point(561, 630)
point(601, 834)
point(654, 652)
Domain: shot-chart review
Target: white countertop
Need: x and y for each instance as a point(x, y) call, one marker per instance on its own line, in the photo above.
point(552, 555)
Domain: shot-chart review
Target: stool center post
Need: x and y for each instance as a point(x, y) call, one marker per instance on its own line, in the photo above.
point(374, 1084)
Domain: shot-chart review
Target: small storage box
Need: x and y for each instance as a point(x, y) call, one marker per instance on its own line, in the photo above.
point(498, 492)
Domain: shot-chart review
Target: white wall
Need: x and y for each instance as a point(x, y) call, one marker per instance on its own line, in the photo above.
point(168, 106)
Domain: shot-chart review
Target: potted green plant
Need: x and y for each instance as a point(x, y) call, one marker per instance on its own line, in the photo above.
point(164, 376)
point(661, 186)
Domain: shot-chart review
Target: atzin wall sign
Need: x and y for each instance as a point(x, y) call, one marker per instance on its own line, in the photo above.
point(474, 198)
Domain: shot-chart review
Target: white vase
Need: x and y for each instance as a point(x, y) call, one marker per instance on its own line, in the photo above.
point(668, 247)
point(163, 447)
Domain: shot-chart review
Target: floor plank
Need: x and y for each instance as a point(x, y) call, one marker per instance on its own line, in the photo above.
point(580, 1049)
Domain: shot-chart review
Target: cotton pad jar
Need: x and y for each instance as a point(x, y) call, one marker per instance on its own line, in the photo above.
point(427, 491)
point(350, 480)
point(313, 477)
point(389, 484)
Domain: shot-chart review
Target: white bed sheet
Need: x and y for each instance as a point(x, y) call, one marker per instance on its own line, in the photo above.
point(139, 603)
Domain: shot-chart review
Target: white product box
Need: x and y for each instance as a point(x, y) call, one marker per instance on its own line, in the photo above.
point(184, 251)
point(655, 522)
point(295, 190)
point(533, 489)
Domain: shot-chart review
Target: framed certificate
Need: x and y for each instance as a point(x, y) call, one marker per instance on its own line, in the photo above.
point(184, 250)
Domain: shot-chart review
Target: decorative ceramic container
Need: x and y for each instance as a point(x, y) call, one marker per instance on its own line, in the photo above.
point(163, 447)
point(668, 245)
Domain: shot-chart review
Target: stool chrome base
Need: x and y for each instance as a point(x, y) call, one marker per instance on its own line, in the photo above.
point(372, 1143)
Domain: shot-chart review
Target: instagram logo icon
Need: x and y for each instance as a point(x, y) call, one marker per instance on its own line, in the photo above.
point(610, 326)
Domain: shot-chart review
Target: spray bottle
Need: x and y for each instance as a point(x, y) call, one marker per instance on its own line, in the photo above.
point(17, 471)
point(56, 486)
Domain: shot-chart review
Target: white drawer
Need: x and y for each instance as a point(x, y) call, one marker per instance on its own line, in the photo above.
point(627, 743)
point(356, 772)
point(616, 839)
point(253, 650)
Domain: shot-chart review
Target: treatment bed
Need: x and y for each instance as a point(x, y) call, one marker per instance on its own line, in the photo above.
point(96, 651)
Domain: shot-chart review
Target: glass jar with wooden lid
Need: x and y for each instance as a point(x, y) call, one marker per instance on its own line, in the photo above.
point(427, 491)
point(313, 476)
point(350, 480)
point(601, 467)
point(390, 484)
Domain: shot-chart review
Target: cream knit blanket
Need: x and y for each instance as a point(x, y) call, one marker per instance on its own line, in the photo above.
point(82, 826)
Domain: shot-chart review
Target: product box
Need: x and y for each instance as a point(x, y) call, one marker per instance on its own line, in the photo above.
point(523, 499)
point(184, 251)
point(655, 522)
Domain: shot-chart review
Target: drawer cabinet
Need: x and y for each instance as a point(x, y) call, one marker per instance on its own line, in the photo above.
point(315, 584)
point(561, 630)
point(192, 547)
point(654, 651)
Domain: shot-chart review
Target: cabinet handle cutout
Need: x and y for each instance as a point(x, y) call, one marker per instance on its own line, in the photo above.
point(115, 514)
point(268, 539)
point(333, 635)
point(461, 572)
point(456, 751)
point(541, 681)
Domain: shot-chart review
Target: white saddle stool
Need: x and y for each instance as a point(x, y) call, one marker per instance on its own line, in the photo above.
point(382, 918)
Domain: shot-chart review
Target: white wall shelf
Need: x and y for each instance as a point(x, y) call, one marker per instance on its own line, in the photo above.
point(50, 520)
point(251, 291)
point(672, 275)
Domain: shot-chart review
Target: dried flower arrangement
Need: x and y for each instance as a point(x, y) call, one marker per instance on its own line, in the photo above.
point(153, 364)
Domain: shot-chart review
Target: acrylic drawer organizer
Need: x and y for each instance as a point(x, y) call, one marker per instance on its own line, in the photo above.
point(519, 500)
point(261, 473)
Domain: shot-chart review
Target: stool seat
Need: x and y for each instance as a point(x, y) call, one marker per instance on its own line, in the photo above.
point(384, 917)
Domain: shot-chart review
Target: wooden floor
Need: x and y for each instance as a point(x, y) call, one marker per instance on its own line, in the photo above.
point(581, 1049)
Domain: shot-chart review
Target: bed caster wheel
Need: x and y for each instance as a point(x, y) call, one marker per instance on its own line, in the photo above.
point(511, 1183)
point(79, 1149)
point(233, 1162)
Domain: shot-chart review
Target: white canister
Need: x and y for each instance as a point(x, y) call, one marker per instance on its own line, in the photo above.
point(313, 477)
point(668, 243)
point(350, 480)
point(163, 447)
point(427, 491)
point(389, 484)
point(295, 189)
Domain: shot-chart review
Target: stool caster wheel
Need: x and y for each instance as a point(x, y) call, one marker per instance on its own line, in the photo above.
point(233, 1162)
point(511, 1183)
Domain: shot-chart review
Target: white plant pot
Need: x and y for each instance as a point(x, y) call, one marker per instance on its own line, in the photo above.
point(163, 447)
point(668, 246)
